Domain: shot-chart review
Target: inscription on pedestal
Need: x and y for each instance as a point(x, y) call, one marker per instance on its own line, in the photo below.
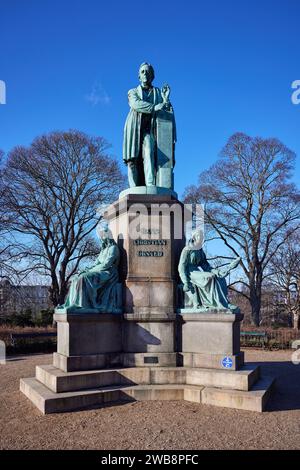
point(148, 253)
point(157, 254)
point(141, 242)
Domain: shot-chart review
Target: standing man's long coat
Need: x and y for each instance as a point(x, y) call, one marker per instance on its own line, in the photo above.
point(132, 129)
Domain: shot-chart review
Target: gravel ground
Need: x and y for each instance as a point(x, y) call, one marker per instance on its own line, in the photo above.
point(153, 425)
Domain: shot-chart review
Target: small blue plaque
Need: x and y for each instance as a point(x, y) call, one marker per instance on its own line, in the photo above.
point(227, 362)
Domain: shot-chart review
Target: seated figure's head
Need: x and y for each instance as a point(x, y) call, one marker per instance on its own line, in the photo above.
point(105, 235)
point(146, 74)
point(196, 240)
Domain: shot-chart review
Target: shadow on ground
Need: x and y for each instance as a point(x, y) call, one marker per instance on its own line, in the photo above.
point(286, 394)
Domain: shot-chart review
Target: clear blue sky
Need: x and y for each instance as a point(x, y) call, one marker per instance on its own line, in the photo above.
point(230, 64)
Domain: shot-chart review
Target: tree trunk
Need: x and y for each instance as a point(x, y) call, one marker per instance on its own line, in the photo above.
point(63, 290)
point(255, 301)
point(54, 290)
point(62, 293)
point(255, 310)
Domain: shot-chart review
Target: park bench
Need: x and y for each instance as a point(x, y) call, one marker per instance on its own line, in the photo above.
point(254, 337)
point(15, 336)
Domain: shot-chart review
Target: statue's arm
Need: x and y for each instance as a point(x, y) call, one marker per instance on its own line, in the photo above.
point(136, 103)
point(183, 268)
point(224, 271)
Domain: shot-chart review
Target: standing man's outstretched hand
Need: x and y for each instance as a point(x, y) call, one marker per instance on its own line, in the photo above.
point(165, 93)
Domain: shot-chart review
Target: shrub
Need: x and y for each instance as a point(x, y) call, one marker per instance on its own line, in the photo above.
point(44, 318)
point(21, 318)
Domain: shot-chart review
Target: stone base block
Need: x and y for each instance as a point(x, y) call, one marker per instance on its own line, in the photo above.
point(213, 332)
point(254, 400)
point(149, 297)
point(87, 362)
point(104, 361)
point(211, 361)
point(148, 334)
point(88, 334)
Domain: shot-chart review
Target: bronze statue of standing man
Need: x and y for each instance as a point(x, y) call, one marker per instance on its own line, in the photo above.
point(149, 133)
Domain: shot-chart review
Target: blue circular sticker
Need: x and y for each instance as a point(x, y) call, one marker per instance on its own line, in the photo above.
point(227, 362)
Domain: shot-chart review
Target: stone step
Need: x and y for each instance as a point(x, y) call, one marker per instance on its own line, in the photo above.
point(242, 379)
point(50, 402)
point(59, 381)
point(254, 400)
point(157, 392)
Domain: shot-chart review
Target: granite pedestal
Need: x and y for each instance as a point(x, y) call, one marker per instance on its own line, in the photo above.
point(210, 339)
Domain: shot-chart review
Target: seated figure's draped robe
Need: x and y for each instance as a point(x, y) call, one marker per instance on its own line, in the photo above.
point(93, 287)
point(210, 283)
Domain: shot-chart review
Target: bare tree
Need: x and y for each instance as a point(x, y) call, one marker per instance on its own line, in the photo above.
point(250, 204)
point(52, 190)
point(284, 278)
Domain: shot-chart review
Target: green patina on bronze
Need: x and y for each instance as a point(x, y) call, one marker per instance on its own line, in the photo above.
point(95, 288)
point(149, 134)
point(207, 287)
